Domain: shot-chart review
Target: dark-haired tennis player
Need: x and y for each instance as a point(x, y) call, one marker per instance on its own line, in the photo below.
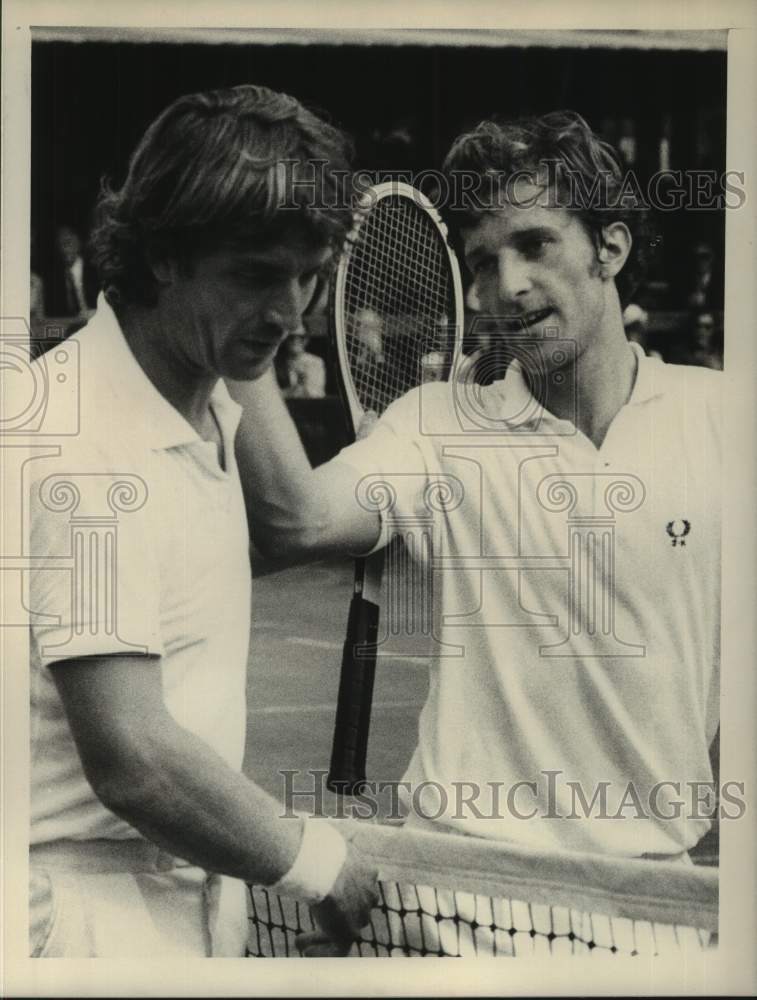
point(139, 812)
point(576, 569)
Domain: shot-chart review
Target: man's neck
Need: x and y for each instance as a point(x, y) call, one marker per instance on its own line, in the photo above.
point(186, 388)
point(600, 385)
point(605, 383)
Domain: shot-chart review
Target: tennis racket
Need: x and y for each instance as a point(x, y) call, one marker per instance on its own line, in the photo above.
point(396, 314)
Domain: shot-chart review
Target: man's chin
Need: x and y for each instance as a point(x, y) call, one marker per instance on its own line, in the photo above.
point(248, 369)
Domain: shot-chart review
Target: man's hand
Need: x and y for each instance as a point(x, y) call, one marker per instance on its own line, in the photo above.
point(345, 911)
point(366, 425)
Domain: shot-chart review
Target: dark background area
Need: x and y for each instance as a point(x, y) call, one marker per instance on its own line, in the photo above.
point(91, 101)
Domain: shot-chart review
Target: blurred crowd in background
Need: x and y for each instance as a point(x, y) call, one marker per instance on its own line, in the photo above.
point(663, 110)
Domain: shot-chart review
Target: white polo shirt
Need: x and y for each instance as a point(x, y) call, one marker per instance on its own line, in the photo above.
point(157, 565)
point(576, 608)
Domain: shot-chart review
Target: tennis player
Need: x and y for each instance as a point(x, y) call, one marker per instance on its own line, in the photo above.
point(142, 826)
point(576, 571)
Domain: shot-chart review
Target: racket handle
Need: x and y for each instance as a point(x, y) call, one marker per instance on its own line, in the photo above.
point(349, 750)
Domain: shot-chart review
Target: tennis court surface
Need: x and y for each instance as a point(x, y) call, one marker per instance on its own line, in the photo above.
point(298, 624)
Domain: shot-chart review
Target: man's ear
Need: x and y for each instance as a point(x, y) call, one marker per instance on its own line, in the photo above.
point(163, 268)
point(614, 249)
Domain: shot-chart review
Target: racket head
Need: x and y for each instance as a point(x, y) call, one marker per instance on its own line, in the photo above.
point(396, 303)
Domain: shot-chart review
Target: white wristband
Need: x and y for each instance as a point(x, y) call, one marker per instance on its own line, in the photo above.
point(320, 859)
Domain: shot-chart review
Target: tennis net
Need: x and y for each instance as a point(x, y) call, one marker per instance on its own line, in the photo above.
point(454, 896)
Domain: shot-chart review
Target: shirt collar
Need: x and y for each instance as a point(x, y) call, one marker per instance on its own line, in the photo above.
point(526, 413)
point(522, 411)
point(651, 377)
point(146, 412)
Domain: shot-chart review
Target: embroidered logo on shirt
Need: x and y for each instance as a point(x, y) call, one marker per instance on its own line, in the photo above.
point(678, 530)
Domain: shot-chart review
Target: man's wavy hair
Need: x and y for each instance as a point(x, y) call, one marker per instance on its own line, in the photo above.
point(241, 167)
point(585, 171)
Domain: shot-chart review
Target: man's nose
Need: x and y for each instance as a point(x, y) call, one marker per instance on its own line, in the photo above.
point(514, 278)
point(286, 306)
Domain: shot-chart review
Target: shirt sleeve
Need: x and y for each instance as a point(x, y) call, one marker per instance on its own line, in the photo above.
point(94, 586)
point(398, 470)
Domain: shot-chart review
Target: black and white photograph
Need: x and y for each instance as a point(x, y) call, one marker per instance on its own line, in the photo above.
point(378, 582)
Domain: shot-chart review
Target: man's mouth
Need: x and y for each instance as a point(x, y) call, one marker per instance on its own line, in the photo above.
point(263, 344)
point(525, 322)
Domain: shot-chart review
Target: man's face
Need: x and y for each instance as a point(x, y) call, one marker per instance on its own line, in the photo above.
point(703, 332)
point(69, 245)
point(536, 270)
point(235, 307)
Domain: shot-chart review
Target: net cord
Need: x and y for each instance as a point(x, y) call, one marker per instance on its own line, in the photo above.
point(635, 888)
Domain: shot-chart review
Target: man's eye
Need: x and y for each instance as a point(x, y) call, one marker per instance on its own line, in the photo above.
point(483, 266)
point(536, 247)
point(252, 276)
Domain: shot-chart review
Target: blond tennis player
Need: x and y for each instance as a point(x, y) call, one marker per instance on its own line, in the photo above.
point(576, 567)
point(143, 828)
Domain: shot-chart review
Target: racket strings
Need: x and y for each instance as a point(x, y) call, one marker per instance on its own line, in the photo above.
point(398, 302)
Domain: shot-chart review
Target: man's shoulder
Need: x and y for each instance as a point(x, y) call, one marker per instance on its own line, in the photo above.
point(80, 416)
point(428, 409)
point(81, 386)
point(71, 360)
point(704, 384)
point(692, 402)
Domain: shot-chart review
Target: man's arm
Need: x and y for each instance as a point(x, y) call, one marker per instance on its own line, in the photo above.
point(180, 794)
point(294, 509)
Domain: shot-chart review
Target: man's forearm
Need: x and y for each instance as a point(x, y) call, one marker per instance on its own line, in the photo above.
point(180, 794)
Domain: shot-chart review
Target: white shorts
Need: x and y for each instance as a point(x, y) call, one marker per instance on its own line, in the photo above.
point(130, 899)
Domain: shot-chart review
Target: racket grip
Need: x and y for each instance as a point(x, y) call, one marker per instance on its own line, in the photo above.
point(347, 771)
